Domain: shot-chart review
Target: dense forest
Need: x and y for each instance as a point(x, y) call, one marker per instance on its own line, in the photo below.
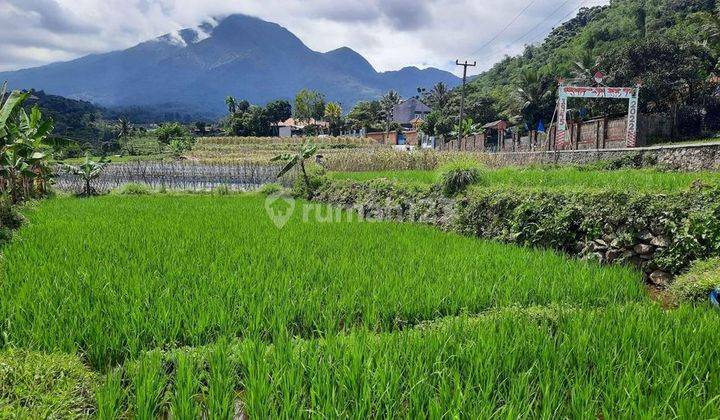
point(671, 47)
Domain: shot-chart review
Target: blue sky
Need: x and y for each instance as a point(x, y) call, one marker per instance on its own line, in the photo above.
point(391, 34)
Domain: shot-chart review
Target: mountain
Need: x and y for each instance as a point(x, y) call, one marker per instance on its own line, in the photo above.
point(195, 69)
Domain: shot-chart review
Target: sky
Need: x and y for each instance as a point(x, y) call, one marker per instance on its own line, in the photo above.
point(391, 34)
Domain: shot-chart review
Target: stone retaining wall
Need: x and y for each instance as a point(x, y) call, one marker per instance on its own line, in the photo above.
point(697, 157)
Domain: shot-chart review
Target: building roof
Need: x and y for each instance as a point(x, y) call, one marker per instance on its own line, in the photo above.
point(406, 111)
point(297, 124)
point(496, 125)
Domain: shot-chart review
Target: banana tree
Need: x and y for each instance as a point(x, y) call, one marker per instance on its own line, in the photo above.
point(294, 159)
point(23, 149)
point(88, 171)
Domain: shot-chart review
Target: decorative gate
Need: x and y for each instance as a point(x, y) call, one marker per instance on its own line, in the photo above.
point(631, 94)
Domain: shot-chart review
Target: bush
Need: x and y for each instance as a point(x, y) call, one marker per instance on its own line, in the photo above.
point(316, 177)
point(696, 284)
point(9, 217)
point(270, 189)
point(222, 190)
point(134, 188)
point(39, 385)
point(456, 176)
point(167, 132)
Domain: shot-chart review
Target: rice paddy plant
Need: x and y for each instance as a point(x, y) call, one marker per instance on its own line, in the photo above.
point(627, 361)
point(186, 384)
point(555, 178)
point(111, 396)
point(115, 276)
point(221, 389)
point(149, 384)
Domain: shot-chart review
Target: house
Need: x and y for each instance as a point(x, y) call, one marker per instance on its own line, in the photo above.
point(292, 127)
point(408, 111)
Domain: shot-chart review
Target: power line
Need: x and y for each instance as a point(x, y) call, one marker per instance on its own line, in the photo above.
point(572, 12)
point(512, 21)
point(547, 18)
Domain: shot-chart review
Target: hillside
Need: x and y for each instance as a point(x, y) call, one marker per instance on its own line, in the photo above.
point(670, 46)
point(193, 70)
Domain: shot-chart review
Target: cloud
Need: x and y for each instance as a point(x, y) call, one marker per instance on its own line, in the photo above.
point(391, 34)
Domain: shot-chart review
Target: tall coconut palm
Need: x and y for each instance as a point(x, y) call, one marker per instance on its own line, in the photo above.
point(231, 104)
point(533, 92)
point(584, 68)
point(387, 105)
point(439, 95)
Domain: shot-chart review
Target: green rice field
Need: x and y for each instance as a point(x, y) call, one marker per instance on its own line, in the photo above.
point(558, 178)
point(192, 306)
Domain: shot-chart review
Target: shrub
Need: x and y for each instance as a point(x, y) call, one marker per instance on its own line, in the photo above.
point(167, 132)
point(134, 188)
point(270, 189)
point(27, 377)
point(316, 178)
point(9, 217)
point(222, 190)
point(696, 284)
point(456, 176)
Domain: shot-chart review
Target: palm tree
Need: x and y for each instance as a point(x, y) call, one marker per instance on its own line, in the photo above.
point(124, 127)
point(439, 95)
point(231, 104)
point(333, 115)
point(532, 91)
point(584, 68)
point(387, 104)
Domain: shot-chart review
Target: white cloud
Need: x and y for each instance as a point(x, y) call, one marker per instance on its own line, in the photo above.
point(390, 33)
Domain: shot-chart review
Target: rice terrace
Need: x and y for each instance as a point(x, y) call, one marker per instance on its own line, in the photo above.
point(224, 223)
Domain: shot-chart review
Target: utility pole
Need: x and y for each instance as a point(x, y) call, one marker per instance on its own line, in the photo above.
point(465, 66)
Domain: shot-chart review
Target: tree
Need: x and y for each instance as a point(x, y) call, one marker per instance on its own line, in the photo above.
point(309, 105)
point(333, 115)
point(278, 111)
point(166, 132)
point(466, 128)
point(200, 127)
point(88, 171)
point(24, 167)
point(231, 105)
point(294, 159)
point(671, 72)
point(387, 105)
point(438, 97)
point(124, 128)
point(534, 96)
point(365, 115)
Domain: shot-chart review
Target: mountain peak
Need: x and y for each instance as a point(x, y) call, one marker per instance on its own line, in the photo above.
point(238, 55)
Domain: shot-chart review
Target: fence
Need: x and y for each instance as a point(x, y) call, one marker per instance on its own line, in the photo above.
point(175, 175)
point(598, 134)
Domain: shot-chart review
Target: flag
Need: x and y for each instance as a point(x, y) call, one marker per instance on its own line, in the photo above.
point(541, 127)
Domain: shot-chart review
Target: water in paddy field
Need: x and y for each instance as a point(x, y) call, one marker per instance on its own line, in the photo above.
point(184, 176)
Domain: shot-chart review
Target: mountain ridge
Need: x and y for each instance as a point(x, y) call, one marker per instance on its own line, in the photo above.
point(198, 67)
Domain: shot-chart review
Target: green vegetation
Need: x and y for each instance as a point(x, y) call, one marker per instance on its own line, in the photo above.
point(628, 41)
point(183, 278)
point(40, 385)
point(696, 284)
point(554, 178)
point(456, 177)
point(200, 305)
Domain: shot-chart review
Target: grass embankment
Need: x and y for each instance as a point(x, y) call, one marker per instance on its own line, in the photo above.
point(558, 178)
point(335, 319)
